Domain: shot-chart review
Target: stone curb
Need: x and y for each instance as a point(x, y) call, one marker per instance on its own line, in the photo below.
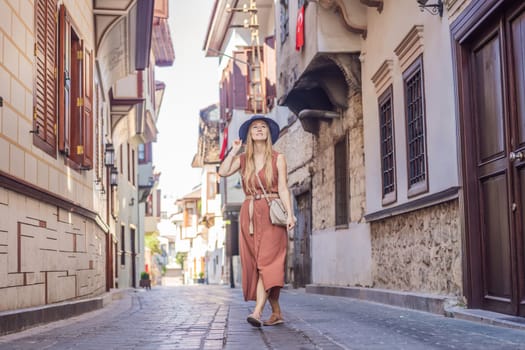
point(487, 317)
point(18, 320)
point(437, 304)
point(423, 302)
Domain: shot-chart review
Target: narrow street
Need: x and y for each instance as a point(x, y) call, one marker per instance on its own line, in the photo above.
point(213, 317)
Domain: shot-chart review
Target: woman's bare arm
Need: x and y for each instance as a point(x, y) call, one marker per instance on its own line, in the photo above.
point(231, 163)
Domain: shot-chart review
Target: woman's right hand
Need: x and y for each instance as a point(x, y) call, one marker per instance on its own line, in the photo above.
point(236, 146)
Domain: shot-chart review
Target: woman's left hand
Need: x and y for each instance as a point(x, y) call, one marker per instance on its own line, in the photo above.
point(290, 222)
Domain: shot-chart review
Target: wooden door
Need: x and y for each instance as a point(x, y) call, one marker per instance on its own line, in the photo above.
point(492, 97)
point(302, 265)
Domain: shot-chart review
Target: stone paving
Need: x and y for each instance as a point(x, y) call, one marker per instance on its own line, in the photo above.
point(213, 317)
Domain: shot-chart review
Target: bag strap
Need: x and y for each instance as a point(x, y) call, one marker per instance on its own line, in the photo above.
point(262, 187)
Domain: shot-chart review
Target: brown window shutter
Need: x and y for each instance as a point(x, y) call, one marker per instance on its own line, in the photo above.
point(148, 150)
point(240, 75)
point(64, 81)
point(186, 217)
point(44, 91)
point(76, 131)
point(271, 70)
point(87, 109)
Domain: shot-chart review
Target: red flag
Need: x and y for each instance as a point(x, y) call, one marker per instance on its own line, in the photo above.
point(299, 31)
point(224, 143)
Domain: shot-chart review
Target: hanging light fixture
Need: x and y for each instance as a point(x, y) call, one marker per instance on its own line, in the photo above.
point(109, 155)
point(113, 177)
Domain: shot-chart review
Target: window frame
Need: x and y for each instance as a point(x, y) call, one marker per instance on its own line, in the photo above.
point(75, 95)
point(421, 186)
point(341, 194)
point(122, 245)
point(385, 97)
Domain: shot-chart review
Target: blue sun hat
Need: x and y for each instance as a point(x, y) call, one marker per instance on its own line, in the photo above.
point(274, 127)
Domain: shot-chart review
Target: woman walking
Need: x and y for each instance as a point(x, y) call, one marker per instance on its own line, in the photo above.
point(262, 244)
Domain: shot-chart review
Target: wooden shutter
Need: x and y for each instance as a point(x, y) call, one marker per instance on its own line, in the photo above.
point(270, 70)
point(240, 74)
point(44, 86)
point(87, 109)
point(76, 153)
point(64, 80)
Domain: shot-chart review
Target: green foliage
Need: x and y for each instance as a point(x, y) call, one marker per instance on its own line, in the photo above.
point(144, 275)
point(201, 274)
point(180, 257)
point(151, 241)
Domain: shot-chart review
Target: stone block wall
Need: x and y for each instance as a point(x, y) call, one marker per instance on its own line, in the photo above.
point(47, 255)
point(351, 126)
point(419, 251)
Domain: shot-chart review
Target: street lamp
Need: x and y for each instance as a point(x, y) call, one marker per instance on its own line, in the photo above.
point(109, 155)
point(113, 177)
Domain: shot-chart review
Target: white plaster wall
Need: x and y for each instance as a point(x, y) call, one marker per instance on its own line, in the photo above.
point(127, 214)
point(385, 32)
point(342, 257)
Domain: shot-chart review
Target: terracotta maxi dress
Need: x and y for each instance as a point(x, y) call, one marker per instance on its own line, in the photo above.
point(263, 252)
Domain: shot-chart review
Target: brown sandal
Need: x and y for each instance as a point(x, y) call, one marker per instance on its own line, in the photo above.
point(254, 321)
point(273, 320)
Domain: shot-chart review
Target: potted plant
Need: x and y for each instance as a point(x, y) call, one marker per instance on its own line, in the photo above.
point(145, 281)
point(201, 278)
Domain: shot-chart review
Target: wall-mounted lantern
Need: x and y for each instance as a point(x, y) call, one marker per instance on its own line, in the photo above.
point(109, 155)
point(434, 9)
point(113, 177)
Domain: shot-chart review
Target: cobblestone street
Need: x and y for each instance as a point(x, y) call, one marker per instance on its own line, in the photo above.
point(213, 317)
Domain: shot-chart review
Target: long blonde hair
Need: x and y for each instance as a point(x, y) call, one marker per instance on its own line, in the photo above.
point(249, 170)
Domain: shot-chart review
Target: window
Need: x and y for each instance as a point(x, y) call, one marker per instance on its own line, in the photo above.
point(133, 174)
point(239, 80)
point(284, 21)
point(341, 183)
point(144, 151)
point(388, 167)
point(121, 158)
point(75, 95)
point(129, 162)
point(149, 205)
point(415, 133)
point(63, 87)
point(188, 217)
point(122, 245)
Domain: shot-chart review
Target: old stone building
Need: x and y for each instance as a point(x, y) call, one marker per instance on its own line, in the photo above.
point(404, 139)
point(430, 163)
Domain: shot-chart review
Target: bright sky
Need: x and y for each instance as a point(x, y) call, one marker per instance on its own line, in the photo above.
point(191, 84)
